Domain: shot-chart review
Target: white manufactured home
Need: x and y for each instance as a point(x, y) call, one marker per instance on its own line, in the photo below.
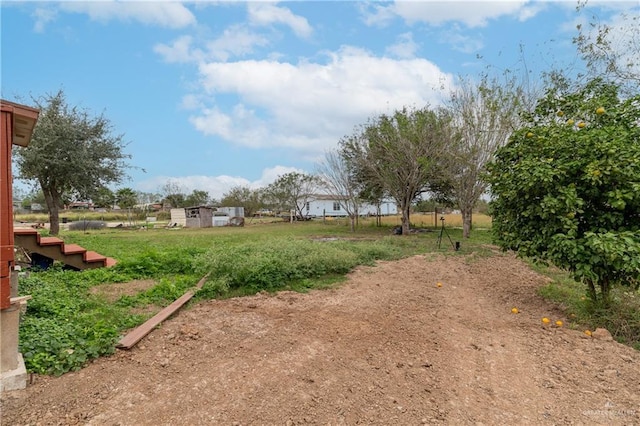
point(328, 205)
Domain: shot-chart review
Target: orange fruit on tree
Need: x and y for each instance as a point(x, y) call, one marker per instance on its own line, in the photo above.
point(581, 124)
point(529, 134)
point(600, 111)
point(570, 121)
point(560, 113)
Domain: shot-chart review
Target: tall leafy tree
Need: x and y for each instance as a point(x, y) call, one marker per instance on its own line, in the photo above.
point(567, 186)
point(484, 115)
point(197, 198)
point(292, 191)
point(403, 154)
point(71, 153)
point(243, 196)
point(103, 197)
point(126, 199)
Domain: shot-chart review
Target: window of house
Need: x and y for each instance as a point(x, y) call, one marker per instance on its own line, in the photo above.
point(336, 206)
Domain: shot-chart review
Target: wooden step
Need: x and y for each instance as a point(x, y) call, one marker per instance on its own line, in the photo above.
point(73, 249)
point(73, 255)
point(24, 231)
point(50, 241)
point(92, 256)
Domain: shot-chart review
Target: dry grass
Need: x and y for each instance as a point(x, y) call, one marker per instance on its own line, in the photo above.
point(427, 220)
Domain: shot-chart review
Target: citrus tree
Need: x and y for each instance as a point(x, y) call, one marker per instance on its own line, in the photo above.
point(566, 186)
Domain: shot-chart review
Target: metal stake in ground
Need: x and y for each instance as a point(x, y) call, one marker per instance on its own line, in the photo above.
point(443, 230)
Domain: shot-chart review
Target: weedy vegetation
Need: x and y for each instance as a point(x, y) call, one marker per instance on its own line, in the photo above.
point(70, 320)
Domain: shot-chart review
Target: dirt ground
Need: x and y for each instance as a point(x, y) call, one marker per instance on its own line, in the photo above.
point(387, 347)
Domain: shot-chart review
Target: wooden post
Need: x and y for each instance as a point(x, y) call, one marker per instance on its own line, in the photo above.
point(6, 210)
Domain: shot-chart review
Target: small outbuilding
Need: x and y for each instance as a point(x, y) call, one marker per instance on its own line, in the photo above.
point(206, 217)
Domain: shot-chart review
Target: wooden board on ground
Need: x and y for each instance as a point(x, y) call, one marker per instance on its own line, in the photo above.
point(137, 334)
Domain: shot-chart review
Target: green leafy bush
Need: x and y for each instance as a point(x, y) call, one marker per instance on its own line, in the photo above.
point(567, 186)
point(274, 264)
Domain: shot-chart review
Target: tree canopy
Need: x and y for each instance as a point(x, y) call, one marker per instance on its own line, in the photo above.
point(291, 191)
point(402, 154)
point(243, 196)
point(567, 186)
point(71, 154)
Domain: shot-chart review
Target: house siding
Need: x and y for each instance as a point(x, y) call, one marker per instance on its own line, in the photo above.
point(324, 206)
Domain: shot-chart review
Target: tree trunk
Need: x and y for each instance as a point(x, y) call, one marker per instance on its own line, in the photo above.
point(352, 222)
point(405, 218)
point(592, 291)
point(467, 214)
point(605, 287)
point(53, 203)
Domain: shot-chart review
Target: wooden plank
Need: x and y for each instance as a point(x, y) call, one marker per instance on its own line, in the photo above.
point(128, 341)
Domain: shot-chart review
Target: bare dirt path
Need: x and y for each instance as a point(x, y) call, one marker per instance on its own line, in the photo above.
point(387, 347)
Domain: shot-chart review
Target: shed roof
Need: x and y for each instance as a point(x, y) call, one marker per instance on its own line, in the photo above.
point(24, 121)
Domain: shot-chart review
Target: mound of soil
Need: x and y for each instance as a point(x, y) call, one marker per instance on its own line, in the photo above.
point(387, 347)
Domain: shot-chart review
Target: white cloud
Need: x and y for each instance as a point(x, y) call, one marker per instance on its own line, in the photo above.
point(236, 40)
point(42, 17)
point(191, 101)
point(270, 175)
point(165, 14)
point(404, 48)
point(531, 10)
point(309, 106)
point(469, 13)
point(460, 42)
point(265, 14)
point(180, 51)
point(216, 186)
point(375, 14)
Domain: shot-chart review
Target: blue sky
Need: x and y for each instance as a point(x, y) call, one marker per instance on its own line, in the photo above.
point(215, 94)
